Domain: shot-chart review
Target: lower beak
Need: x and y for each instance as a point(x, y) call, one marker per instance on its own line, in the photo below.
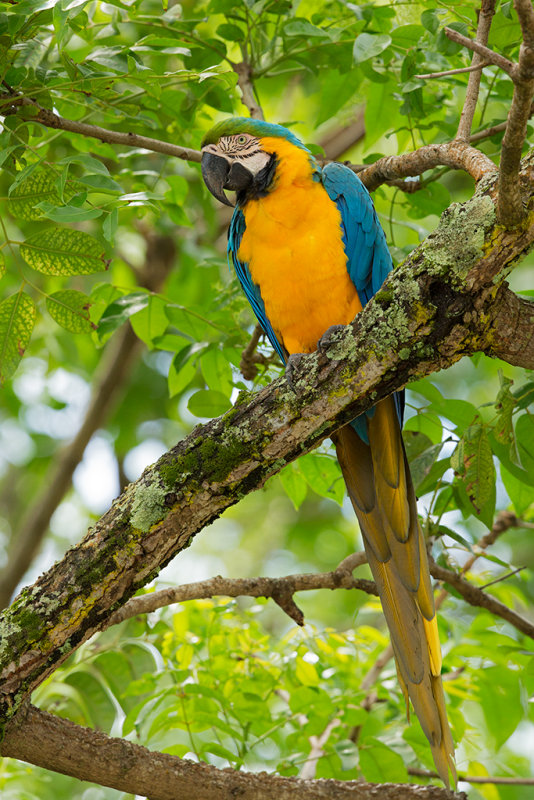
point(215, 171)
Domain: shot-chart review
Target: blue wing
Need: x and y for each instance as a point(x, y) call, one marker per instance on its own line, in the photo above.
point(252, 292)
point(368, 258)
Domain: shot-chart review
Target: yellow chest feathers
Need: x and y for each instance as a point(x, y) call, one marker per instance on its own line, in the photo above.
point(293, 246)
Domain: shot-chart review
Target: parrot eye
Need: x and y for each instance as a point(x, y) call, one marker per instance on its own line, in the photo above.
point(241, 139)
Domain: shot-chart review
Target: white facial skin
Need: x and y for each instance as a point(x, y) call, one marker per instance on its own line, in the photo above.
point(241, 147)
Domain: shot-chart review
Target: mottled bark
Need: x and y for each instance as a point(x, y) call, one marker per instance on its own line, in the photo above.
point(444, 302)
point(58, 744)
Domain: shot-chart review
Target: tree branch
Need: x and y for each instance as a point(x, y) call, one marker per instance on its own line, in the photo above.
point(496, 779)
point(510, 210)
point(476, 597)
point(487, 54)
point(244, 81)
point(503, 522)
point(433, 309)
point(473, 86)
point(458, 155)
point(58, 744)
point(249, 587)
point(447, 72)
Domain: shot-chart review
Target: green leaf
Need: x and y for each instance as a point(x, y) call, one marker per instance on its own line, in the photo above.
point(2, 264)
point(70, 309)
point(68, 213)
point(294, 484)
point(519, 492)
point(182, 370)
point(101, 183)
point(501, 701)
point(109, 227)
point(306, 673)
point(120, 310)
point(151, 321)
point(216, 371)
point(207, 403)
point(39, 186)
point(231, 33)
point(505, 405)
point(430, 19)
point(380, 763)
point(63, 251)
point(369, 45)
point(17, 318)
point(473, 462)
point(301, 27)
point(323, 475)
point(524, 433)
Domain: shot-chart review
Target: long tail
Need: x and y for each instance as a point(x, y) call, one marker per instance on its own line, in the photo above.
point(380, 487)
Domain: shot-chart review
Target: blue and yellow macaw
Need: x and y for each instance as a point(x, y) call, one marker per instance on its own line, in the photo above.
point(309, 252)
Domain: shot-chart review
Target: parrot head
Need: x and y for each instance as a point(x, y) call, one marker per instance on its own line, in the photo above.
point(235, 157)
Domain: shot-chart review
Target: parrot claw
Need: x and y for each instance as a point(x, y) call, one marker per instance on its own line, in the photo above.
point(292, 365)
point(326, 339)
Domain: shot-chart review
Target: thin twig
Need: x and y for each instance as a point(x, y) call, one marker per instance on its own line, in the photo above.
point(510, 210)
point(445, 74)
point(367, 686)
point(247, 365)
point(473, 86)
point(476, 597)
point(280, 589)
point(488, 55)
point(51, 120)
point(503, 577)
point(503, 522)
point(496, 779)
point(317, 743)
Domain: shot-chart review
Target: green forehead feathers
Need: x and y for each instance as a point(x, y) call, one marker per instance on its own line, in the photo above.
point(255, 127)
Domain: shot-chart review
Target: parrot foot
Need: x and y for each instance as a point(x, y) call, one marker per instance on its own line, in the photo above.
point(292, 365)
point(328, 336)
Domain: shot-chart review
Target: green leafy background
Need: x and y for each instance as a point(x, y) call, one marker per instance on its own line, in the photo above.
point(235, 683)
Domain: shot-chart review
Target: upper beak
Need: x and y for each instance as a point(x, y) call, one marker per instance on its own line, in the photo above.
point(215, 171)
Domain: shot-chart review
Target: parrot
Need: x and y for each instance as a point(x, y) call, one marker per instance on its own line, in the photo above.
point(309, 252)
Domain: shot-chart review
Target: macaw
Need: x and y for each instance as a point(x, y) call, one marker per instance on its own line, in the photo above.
point(309, 252)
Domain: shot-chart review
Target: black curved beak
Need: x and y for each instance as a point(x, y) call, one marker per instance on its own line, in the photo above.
point(219, 174)
point(215, 171)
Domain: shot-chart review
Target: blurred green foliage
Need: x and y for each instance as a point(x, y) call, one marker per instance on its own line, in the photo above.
point(235, 683)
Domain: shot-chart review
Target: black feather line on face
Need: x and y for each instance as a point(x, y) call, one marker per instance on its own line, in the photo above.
point(261, 184)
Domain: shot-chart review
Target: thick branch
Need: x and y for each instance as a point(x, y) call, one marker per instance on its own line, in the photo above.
point(436, 307)
point(60, 745)
point(473, 86)
point(514, 330)
point(458, 155)
point(248, 98)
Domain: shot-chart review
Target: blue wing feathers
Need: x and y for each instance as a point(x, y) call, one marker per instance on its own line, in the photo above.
point(252, 291)
point(368, 257)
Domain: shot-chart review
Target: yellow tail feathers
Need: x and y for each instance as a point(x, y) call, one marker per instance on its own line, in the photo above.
point(380, 487)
